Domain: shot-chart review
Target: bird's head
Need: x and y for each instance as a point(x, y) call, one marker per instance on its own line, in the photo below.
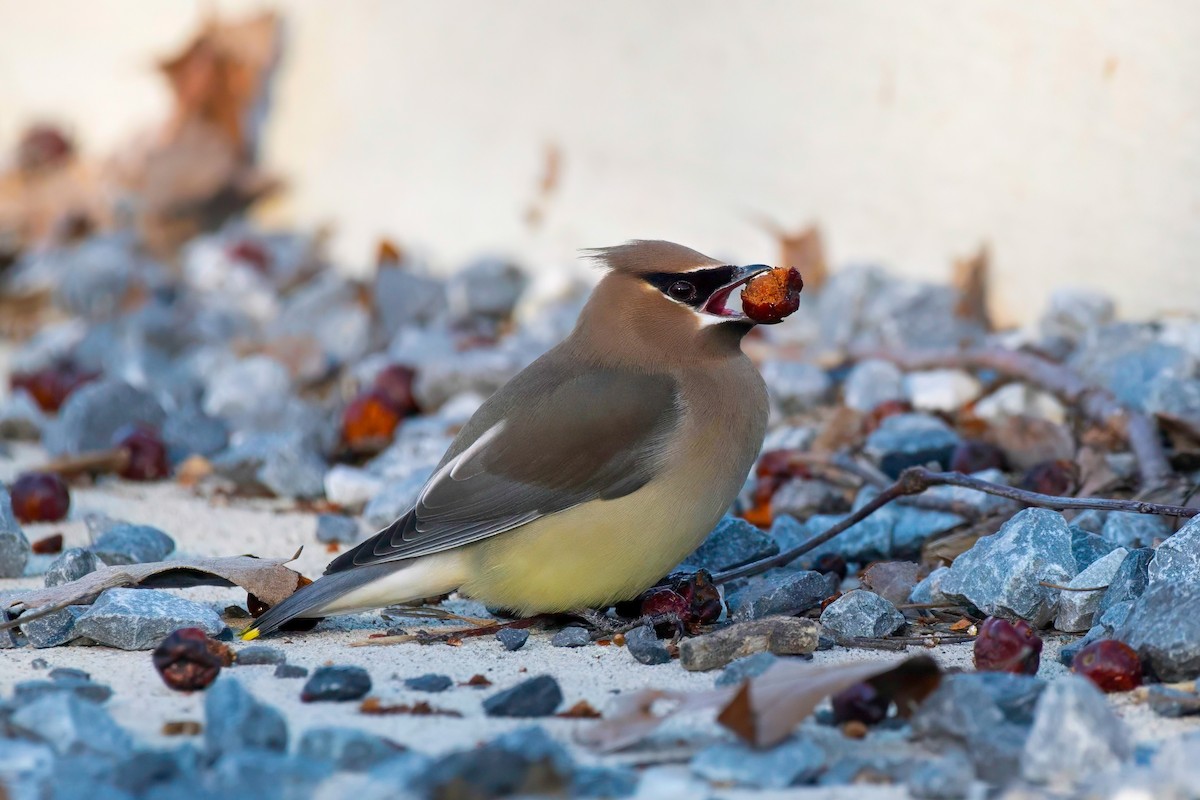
point(675, 284)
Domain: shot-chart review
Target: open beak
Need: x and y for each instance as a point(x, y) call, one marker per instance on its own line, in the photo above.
point(717, 304)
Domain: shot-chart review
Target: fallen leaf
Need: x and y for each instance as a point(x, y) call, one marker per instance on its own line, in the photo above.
point(375, 707)
point(581, 710)
point(764, 710)
point(970, 278)
point(181, 727)
point(892, 580)
point(478, 681)
point(962, 625)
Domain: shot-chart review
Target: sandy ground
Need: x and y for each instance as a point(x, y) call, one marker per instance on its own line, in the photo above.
point(142, 703)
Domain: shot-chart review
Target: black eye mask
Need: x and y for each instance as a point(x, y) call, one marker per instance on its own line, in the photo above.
point(705, 281)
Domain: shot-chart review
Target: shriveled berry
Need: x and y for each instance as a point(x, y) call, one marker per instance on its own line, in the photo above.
point(395, 385)
point(369, 420)
point(831, 563)
point(1113, 666)
point(50, 387)
point(773, 295)
point(251, 253)
point(145, 453)
point(664, 601)
point(48, 545)
point(1004, 646)
point(1058, 477)
point(43, 147)
point(40, 497)
point(186, 662)
point(702, 597)
point(973, 455)
point(862, 702)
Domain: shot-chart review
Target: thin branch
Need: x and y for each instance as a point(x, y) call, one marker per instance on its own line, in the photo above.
point(917, 479)
point(1097, 404)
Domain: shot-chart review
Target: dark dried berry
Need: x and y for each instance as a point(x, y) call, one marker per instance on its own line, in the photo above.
point(780, 464)
point(773, 295)
point(40, 497)
point(1004, 646)
point(1111, 665)
point(186, 662)
point(663, 602)
point(251, 253)
point(395, 385)
point(702, 597)
point(145, 454)
point(1059, 477)
point(48, 545)
point(50, 387)
point(862, 702)
point(973, 455)
point(43, 147)
point(369, 420)
point(831, 563)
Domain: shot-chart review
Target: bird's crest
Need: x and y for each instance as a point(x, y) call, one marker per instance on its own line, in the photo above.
point(647, 256)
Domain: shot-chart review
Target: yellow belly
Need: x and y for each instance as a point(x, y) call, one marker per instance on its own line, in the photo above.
point(595, 554)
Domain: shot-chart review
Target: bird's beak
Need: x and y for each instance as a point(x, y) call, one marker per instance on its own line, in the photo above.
point(716, 304)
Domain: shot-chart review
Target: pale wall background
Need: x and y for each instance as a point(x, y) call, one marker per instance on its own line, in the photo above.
point(1065, 134)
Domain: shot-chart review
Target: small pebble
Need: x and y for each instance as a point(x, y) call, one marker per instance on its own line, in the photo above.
point(260, 654)
point(572, 637)
point(431, 682)
point(72, 565)
point(336, 684)
point(745, 668)
point(536, 697)
point(643, 644)
point(513, 638)
point(291, 671)
point(336, 528)
point(39, 663)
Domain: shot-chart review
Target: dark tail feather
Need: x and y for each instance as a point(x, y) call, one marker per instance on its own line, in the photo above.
point(308, 601)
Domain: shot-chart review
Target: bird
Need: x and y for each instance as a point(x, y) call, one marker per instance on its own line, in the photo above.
point(594, 471)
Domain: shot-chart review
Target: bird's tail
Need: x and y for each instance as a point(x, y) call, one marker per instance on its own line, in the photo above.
point(315, 599)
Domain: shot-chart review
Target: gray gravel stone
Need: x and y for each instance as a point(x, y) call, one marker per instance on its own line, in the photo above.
point(572, 636)
point(235, 721)
point(1071, 312)
point(258, 654)
point(606, 782)
point(1087, 547)
point(784, 636)
point(524, 762)
point(793, 762)
point(513, 638)
point(909, 440)
point(745, 668)
point(80, 685)
point(1076, 609)
point(643, 644)
point(781, 592)
point(431, 682)
point(337, 528)
point(929, 590)
point(54, 629)
point(795, 386)
point(291, 671)
point(1177, 560)
point(192, 432)
point(293, 472)
point(346, 748)
point(93, 413)
point(1002, 574)
point(396, 498)
point(20, 417)
point(801, 498)
point(1075, 735)
point(732, 543)
point(872, 382)
point(336, 684)
point(138, 619)
point(948, 778)
point(1134, 530)
point(860, 613)
point(71, 565)
point(126, 543)
point(1167, 701)
point(489, 287)
point(1164, 628)
point(71, 726)
point(536, 697)
point(1130, 580)
point(14, 547)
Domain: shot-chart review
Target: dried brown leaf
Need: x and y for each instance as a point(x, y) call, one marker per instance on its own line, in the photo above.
point(892, 580)
point(971, 279)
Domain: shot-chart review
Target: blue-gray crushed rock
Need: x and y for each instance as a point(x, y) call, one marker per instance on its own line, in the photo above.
point(1130, 580)
point(872, 382)
point(396, 498)
point(138, 619)
point(603, 782)
point(513, 638)
point(1134, 530)
point(337, 528)
point(746, 668)
point(14, 547)
point(430, 682)
point(346, 748)
point(71, 565)
point(911, 440)
point(1164, 628)
point(782, 592)
point(246, 773)
point(82, 687)
point(1088, 547)
point(1075, 735)
point(986, 714)
point(336, 684)
point(523, 762)
point(929, 589)
point(732, 543)
point(535, 697)
point(293, 472)
point(1168, 701)
point(1072, 312)
point(71, 726)
point(125, 543)
point(54, 629)
point(235, 721)
point(1076, 609)
point(1001, 574)
point(257, 654)
point(1177, 560)
point(291, 671)
point(572, 636)
point(643, 644)
point(191, 432)
point(860, 613)
point(791, 763)
point(803, 497)
point(93, 413)
point(796, 386)
point(947, 778)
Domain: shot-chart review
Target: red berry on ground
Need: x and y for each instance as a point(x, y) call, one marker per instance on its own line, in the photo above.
point(368, 420)
point(40, 497)
point(862, 702)
point(188, 660)
point(145, 454)
point(773, 295)
point(1112, 665)
point(395, 384)
point(50, 387)
point(1059, 477)
point(1004, 646)
point(48, 545)
point(251, 253)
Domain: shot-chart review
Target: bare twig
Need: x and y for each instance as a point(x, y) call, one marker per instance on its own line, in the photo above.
point(868, 474)
point(1097, 404)
point(1061, 588)
point(917, 479)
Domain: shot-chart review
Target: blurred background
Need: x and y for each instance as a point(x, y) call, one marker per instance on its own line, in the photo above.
point(1064, 137)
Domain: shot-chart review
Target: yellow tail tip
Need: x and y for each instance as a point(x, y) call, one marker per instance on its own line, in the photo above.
point(250, 634)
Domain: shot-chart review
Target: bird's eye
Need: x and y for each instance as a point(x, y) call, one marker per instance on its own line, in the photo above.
point(682, 291)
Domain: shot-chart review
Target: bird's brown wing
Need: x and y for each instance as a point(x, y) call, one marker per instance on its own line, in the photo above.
point(553, 442)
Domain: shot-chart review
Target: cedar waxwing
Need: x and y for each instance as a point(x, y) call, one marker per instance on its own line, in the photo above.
point(594, 471)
